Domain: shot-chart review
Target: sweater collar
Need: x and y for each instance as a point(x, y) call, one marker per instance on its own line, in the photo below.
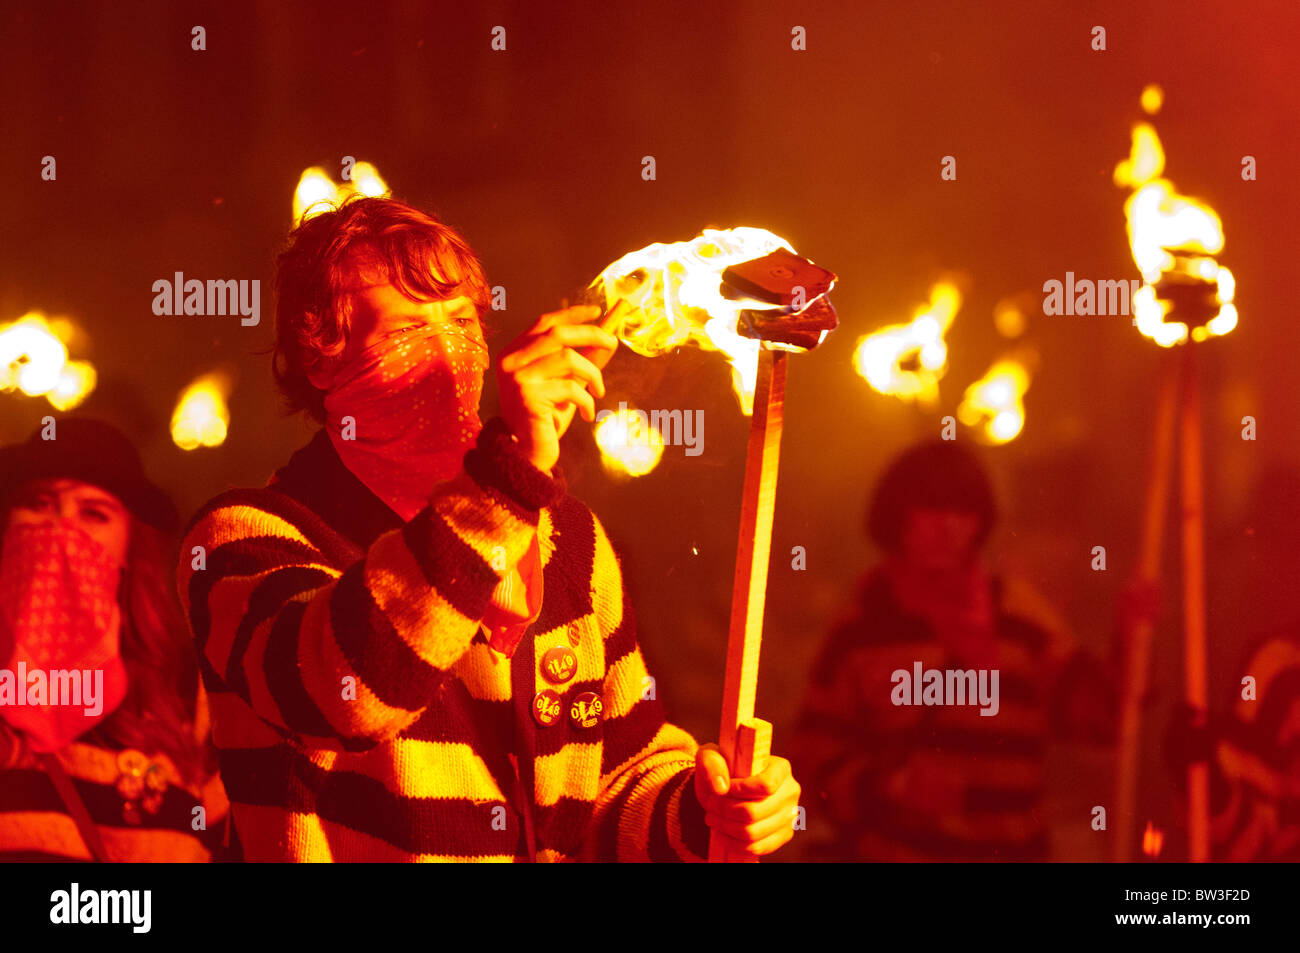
point(317, 478)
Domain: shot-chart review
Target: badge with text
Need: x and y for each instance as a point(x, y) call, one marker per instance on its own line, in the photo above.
point(559, 665)
point(585, 710)
point(546, 708)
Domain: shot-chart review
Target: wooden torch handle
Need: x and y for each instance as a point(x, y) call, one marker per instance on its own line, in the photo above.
point(745, 741)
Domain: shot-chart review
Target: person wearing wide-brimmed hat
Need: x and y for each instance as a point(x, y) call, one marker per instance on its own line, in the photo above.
point(102, 724)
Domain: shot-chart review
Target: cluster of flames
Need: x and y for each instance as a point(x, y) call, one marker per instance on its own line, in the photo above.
point(317, 192)
point(1170, 235)
point(34, 360)
point(675, 293)
point(907, 361)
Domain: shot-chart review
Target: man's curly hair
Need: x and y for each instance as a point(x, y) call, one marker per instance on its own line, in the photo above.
point(421, 256)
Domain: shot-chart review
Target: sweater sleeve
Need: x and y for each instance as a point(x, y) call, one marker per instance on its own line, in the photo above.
point(343, 657)
point(646, 809)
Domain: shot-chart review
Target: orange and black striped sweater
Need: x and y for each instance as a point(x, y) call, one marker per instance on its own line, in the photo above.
point(358, 710)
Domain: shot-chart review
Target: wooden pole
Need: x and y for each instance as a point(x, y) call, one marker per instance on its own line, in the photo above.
point(1193, 500)
point(1137, 644)
point(745, 740)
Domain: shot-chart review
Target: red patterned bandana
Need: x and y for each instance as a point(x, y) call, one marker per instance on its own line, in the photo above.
point(58, 616)
point(402, 418)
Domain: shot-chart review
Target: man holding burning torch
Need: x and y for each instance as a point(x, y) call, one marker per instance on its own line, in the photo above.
point(417, 644)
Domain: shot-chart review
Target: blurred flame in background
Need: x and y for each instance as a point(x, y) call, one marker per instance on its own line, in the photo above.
point(908, 360)
point(34, 360)
point(995, 403)
point(629, 446)
point(201, 417)
point(676, 292)
point(316, 188)
point(1170, 235)
point(1152, 840)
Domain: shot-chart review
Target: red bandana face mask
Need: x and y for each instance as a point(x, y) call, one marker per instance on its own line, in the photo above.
point(413, 402)
point(59, 615)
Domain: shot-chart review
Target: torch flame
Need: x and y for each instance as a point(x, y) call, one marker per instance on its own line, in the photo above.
point(1152, 840)
point(995, 402)
point(675, 290)
point(201, 417)
point(317, 192)
point(628, 444)
point(1170, 235)
point(908, 360)
point(34, 360)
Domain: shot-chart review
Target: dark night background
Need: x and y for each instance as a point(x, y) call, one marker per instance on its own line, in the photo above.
point(175, 160)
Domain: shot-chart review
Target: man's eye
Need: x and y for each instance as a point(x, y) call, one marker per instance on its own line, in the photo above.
point(95, 516)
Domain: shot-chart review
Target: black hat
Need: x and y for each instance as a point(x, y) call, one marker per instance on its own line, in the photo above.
point(94, 452)
point(938, 473)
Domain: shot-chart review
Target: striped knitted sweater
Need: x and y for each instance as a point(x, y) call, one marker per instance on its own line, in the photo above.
point(35, 825)
point(856, 747)
point(358, 711)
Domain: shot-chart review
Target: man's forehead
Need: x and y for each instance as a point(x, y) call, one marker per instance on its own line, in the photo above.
point(365, 272)
point(386, 298)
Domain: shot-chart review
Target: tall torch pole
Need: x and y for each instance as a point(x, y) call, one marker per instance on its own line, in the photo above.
point(746, 741)
point(1137, 643)
point(1194, 661)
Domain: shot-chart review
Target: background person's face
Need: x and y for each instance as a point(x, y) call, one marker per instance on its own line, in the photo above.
point(939, 539)
point(97, 512)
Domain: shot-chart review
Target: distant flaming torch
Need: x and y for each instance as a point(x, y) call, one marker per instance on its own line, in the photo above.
point(1173, 238)
point(628, 445)
point(908, 360)
point(743, 292)
point(1186, 295)
point(317, 192)
point(1153, 839)
point(995, 404)
point(201, 417)
point(34, 360)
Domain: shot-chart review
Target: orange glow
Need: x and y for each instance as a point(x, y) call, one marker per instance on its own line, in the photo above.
point(316, 188)
point(34, 360)
point(201, 417)
point(908, 360)
point(995, 402)
point(1172, 238)
point(76, 380)
point(629, 446)
point(1153, 97)
point(676, 293)
point(1153, 840)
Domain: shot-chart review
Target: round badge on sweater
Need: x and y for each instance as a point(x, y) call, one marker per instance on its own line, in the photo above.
point(585, 710)
point(559, 665)
point(547, 706)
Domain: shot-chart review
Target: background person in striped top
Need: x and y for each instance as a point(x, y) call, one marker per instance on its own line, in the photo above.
point(940, 783)
point(86, 585)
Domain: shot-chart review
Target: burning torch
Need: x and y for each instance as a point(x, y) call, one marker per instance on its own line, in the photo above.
point(745, 292)
point(1186, 295)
